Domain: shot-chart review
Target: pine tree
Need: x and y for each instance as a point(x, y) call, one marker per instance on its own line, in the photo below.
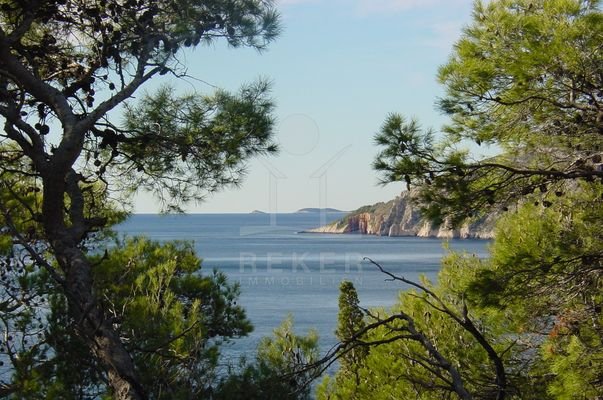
point(350, 321)
point(66, 68)
point(526, 77)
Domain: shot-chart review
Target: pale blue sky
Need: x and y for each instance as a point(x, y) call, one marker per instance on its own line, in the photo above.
point(337, 69)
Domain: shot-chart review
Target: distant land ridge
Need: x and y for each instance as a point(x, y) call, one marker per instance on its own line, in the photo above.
point(400, 217)
point(316, 210)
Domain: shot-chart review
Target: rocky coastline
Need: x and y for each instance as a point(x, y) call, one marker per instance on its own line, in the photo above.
point(400, 217)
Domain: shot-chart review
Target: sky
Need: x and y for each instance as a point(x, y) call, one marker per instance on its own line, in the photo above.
point(338, 68)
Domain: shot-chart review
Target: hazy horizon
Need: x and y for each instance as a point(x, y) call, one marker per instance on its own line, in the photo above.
point(337, 70)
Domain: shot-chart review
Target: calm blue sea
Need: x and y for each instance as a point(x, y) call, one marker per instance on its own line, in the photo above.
point(282, 271)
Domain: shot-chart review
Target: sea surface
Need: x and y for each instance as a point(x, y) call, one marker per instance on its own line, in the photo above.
point(282, 271)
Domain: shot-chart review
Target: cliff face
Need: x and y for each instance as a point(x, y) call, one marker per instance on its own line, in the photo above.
point(399, 217)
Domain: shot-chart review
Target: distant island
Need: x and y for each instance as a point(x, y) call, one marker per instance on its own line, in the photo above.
point(400, 217)
point(317, 210)
point(306, 211)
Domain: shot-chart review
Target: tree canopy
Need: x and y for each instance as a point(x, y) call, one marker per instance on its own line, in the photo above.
point(526, 79)
point(279, 370)
point(70, 164)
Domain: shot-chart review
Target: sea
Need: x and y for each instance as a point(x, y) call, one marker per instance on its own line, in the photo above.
point(283, 271)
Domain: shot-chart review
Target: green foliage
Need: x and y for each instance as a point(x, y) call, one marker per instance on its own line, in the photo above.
point(69, 168)
point(24, 345)
point(350, 321)
point(278, 371)
point(399, 136)
point(401, 365)
point(537, 300)
point(181, 147)
point(287, 351)
point(548, 253)
point(574, 365)
point(526, 78)
point(171, 317)
point(525, 72)
point(546, 266)
point(109, 35)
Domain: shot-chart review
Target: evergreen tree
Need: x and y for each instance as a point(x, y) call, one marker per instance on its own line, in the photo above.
point(350, 321)
point(65, 69)
point(526, 78)
point(279, 371)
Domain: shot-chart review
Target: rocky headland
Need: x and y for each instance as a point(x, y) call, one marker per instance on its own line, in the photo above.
point(401, 217)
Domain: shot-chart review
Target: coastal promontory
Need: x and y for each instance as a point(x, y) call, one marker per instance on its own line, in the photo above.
point(402, 217)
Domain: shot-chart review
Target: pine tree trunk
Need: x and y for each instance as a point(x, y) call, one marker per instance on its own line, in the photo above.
point(93, 325)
